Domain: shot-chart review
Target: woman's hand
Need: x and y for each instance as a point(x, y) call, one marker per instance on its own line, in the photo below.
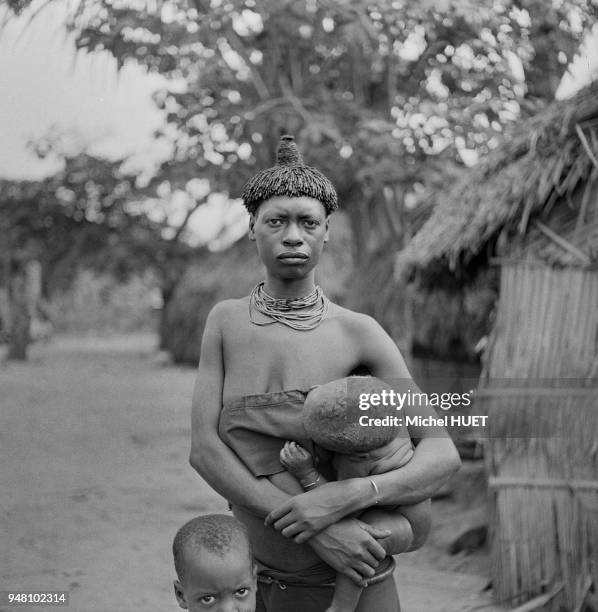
point(351, 548)
point(304, 515)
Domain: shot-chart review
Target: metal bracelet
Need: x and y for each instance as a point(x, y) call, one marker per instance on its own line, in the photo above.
point(376, 492)
point(311, 485)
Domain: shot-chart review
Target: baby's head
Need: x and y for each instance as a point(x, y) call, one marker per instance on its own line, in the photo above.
point(214, 565)
point(334, 420)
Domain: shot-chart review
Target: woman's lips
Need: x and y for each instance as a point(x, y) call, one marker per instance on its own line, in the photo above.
point(290, 256)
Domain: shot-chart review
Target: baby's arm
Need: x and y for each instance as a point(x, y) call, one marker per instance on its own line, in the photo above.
point(300, 464)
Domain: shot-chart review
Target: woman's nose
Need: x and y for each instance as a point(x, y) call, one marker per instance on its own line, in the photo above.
point(292, 236)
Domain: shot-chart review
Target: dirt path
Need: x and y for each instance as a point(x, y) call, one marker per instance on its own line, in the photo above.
point(95, 481)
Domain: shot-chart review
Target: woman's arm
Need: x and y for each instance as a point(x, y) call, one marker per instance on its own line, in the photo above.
point(215, 462)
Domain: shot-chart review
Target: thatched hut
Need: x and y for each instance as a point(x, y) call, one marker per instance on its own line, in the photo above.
point(531, 209)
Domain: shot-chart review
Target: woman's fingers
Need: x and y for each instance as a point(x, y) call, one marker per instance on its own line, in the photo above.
point(355, 577)
point(289, 531)
point(304, 536)
point(365, 570)
point(374, 547)
point(283, 523)
point(359, 573)
point(277, 513)
point(370, 560)
point(377, 551)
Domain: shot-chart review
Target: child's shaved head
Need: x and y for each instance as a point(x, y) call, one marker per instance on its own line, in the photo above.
point(332, 413)
point(214, 533)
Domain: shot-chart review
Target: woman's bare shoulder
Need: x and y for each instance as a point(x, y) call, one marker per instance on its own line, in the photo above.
point(231, 306)
point(356, 321)
point(227, 312)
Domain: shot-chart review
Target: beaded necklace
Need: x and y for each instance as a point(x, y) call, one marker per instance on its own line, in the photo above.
point(302, 313)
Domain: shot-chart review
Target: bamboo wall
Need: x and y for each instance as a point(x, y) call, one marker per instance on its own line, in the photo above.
point(542, 450)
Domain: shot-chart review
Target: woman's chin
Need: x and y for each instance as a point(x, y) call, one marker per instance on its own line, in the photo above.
point(293, 272)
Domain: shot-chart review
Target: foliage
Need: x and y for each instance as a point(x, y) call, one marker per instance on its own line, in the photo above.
point(362, 85)
point(213, 278)
point(92, 214)
point(78, 217)
point(97, 302)
point(386, 97)
point(545, 172)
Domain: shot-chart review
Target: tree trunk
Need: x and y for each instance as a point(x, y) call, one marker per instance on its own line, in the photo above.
point(167, 294)
point(20, 318)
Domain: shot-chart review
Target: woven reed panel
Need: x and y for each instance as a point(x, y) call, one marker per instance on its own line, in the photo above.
point(542, 447)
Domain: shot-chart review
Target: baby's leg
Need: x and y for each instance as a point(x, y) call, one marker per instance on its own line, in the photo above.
point(409, 525)
point(381, 597)
point(346, 595)
point(420, 519)
point(401, 533)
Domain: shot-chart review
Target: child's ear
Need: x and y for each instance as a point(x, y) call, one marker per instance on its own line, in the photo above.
point(251, 226)
point(180, 595)
point(327, 226)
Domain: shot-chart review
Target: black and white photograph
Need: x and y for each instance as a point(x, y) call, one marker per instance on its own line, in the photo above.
point(299, 305)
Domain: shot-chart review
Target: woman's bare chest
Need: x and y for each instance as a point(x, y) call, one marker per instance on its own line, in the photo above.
point(262, 359)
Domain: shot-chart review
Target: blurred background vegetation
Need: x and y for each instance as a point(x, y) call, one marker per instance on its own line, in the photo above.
point(390, 99)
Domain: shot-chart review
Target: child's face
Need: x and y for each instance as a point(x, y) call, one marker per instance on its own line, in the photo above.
point(290, 234)
point(218, 584)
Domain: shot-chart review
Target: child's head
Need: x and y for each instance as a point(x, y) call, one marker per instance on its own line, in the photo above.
point(214, 565)
point(334, 419)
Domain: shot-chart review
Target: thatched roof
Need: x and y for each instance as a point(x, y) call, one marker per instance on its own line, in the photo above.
point(533, 196)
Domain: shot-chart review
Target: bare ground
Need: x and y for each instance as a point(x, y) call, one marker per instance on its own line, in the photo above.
point(95, 482)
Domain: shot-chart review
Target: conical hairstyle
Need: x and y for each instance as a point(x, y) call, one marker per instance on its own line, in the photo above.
point(289, 177)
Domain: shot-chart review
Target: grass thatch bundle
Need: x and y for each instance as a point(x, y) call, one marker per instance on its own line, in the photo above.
point(545, 162)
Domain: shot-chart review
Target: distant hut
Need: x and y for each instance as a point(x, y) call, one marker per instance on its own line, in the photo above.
point(531, 208)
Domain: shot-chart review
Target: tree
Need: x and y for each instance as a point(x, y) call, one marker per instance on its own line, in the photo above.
point(90, 214)
point(363, 85)
point(386, 97)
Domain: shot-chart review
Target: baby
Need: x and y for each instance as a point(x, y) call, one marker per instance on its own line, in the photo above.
point(214, 565)
point(331, 417)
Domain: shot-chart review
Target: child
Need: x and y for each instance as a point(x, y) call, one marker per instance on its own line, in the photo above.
point(331, 417)
point(258, 355)
point(214, 565)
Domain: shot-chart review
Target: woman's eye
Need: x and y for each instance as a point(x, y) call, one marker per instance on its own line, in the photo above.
point(207, 600)
point(275, 222)
point(243, 592)
point(311, 223)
